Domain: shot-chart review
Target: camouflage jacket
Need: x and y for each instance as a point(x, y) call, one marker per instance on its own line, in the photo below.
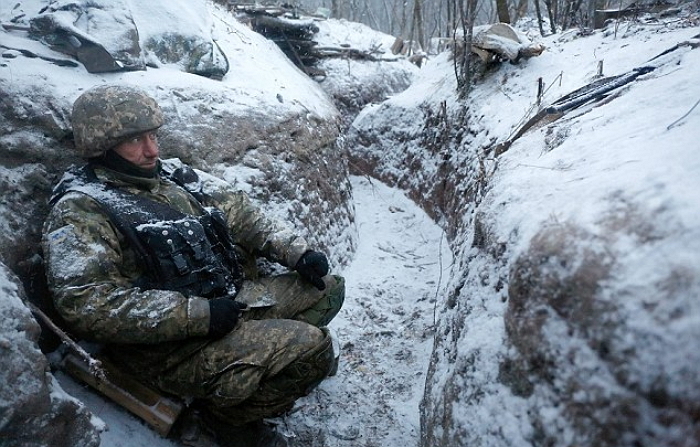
point(92, 270)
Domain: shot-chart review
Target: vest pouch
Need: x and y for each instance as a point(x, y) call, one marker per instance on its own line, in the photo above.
point(194, 255)
point(184, 257)
point(215, 224)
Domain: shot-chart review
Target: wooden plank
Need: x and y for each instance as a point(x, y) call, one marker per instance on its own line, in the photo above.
point(159, 411)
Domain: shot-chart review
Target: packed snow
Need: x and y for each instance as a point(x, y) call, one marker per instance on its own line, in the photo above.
point(257, 80)
point(623, 170)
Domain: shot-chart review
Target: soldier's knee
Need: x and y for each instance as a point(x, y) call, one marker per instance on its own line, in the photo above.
point(322, 355)
point(334, 299)
point(309, 369)
point(336, 290)
point(328, 306)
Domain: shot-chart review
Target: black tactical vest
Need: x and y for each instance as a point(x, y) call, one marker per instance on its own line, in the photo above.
point(194, 255)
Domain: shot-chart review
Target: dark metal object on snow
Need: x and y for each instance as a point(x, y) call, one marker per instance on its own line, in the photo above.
point(593, 92)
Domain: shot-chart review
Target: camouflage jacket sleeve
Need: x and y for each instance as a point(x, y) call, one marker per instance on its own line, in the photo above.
point(251, 228)
point(91, 272)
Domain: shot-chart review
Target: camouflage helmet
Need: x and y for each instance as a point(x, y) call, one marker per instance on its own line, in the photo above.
point(106, 115)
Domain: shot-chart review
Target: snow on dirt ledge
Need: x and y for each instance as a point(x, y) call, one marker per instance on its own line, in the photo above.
point(572, 314)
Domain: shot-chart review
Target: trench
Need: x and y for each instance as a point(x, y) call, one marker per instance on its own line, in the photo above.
point(385, 329)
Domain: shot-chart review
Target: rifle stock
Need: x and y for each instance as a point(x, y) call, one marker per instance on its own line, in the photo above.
point(159, 411)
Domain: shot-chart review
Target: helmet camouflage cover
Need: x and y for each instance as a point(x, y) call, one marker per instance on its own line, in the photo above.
point(105, 116)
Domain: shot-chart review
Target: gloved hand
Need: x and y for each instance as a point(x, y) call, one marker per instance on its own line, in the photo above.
point(313, 266)
point(223, 315)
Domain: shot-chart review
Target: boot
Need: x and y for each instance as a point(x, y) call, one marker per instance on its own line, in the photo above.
point(335, 344)
point(192, 430)
point(253, 434)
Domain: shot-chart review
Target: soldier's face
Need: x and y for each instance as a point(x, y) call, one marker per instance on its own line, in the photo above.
point(141, 150)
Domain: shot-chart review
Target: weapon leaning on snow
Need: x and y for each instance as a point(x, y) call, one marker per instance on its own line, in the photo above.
point(593, 92)
point(156, 409)
point(94, 365)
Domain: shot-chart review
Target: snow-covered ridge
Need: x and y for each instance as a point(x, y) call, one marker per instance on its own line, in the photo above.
point(571, 316)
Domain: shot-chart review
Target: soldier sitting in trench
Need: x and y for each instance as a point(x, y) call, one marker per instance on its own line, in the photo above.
point(147, 257)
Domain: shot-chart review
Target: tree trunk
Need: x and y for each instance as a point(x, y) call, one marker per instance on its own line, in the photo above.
point(539, 17)
point(451, 23)
point(521, 10)
point(502, 8)
point(418, 22)
point(575, 9)
point(463, 68)
point(550, 12)
point(389, 17)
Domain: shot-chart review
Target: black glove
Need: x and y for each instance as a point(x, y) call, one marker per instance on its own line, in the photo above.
point(313, 266)
point(223, 315)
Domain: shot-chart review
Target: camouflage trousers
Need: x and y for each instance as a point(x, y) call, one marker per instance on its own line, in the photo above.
point(278, 352)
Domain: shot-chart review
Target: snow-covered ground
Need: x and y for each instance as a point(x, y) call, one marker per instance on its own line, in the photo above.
point(619, 178)
point(385, 330)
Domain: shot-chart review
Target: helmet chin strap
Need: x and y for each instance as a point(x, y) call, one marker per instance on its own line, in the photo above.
point(112, 160)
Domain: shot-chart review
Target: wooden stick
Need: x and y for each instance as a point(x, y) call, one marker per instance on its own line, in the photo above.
point(94, 365)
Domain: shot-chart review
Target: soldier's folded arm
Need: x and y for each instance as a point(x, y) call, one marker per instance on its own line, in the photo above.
point(94, 286)
point(251, 228)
